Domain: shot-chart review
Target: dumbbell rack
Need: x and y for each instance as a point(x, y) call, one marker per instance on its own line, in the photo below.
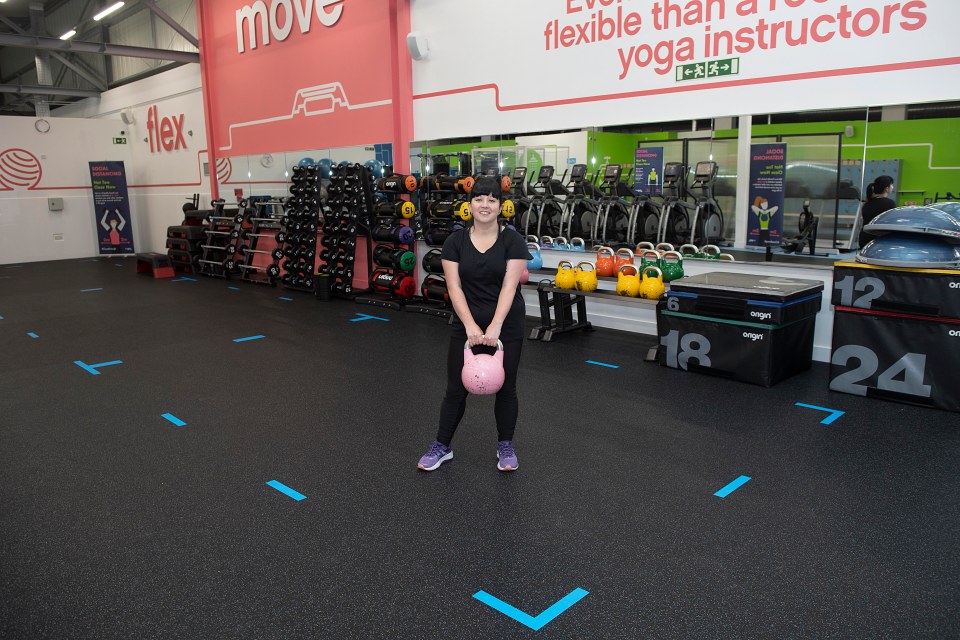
point(265, 219)
point(297, 241)
point(391, 244)
point(350, 204)
point(219, 246)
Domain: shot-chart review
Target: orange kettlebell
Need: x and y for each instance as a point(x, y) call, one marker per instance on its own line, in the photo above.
point(624, 256)
point(645, 246)
point(628, 281)
point(606, 262)
point(652, 288)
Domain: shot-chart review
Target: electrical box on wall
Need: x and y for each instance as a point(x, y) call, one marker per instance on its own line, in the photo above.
point(55, 204)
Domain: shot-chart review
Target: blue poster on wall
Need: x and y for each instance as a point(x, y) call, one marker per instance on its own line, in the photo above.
point(111, 206)
point(768, 171)
point(647, 169)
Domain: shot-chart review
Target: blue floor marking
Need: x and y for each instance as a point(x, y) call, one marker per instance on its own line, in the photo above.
point(733, 486)
point(177, 422)
point(364, 316)
point(248, 338)
point(97, 289)
point(282, 488)
point(287, 299)
point(92, 368)
point(541, 620)
point(183, 278)
point(32, 335)
point(834, 413)
point(603, 364)
point(234, 288)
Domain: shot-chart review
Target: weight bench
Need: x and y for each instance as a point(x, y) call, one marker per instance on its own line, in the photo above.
point(156, 264)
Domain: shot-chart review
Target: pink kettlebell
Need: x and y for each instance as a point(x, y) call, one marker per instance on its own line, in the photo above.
point(482, 373)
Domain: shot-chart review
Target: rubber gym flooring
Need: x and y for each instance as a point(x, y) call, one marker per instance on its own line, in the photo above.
point(117, 523)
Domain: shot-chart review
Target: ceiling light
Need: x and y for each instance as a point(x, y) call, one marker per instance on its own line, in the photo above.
point(68, 34)
point(103, 14)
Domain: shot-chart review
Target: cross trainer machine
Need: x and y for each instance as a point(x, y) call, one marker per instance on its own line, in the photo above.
point(707, 224)
point(674, 223)
point(580, 208)
point(612, 208)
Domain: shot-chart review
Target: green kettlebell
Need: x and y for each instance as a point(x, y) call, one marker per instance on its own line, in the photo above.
point(650, 258)
point(710, 251)
point(672, 266)
point(690, 251)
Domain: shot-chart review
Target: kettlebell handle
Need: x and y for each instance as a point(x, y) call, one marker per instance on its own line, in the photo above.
point(648, 268)
point(467, 347)
point(589, 264)
point(692, 246)
point(674, 253)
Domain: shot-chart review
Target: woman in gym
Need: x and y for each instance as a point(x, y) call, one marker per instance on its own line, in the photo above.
point(878, 200)
point(482, 265)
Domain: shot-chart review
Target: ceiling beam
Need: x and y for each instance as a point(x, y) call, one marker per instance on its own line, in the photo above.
point(55, 44)
point(48, 91)
point(173, 24)
point(92, 79)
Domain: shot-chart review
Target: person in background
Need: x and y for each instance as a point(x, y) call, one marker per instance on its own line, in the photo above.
point(482, 265)
point(878, 200)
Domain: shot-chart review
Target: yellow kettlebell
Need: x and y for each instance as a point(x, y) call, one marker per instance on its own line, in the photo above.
point(586, 277)
point(508, 209)
point(628, 281)
point(566, 275)
point(652, 288)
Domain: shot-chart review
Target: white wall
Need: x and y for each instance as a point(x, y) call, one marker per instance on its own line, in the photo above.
point(28, 230)
point(159, 181)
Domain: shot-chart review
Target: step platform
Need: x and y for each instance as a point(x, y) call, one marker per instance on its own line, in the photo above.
point(156, 264)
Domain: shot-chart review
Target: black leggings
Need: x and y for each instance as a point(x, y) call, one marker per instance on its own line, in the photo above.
point(454, 403)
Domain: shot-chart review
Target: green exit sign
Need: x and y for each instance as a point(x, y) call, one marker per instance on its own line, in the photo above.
point(119, 141)
point(711, 69)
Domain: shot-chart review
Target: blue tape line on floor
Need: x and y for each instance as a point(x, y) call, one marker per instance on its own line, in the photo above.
point(184, 278)
point(32, 335)
point(177, 422)
point(364, 316)
point(86, 290)
point(733, 486)
point(287, 299)
point(834, 413)
point(284, 489)
point(603, 364)
point(92, 368)
point(535, 623)
point(249, 338)
point(234, 288)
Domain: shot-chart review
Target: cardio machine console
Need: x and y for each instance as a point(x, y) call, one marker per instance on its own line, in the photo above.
point(705, 172)
point(545, 175)
point(611, 175)
point(578, 173)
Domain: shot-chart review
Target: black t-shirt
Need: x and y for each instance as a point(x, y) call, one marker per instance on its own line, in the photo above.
point(870, 210)
point(481, 277)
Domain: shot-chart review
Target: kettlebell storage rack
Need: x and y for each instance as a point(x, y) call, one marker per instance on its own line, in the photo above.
point(349, 213)
point(556, 308)
point(390, 249)
point(297, 239)
point(219, 246)
point(265, 222)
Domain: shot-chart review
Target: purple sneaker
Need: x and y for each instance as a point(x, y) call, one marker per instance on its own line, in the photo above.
point(436, 456)
point(506, 458)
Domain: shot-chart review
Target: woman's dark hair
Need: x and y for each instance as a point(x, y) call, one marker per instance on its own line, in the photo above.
point(487, 186)
point(878, 186)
